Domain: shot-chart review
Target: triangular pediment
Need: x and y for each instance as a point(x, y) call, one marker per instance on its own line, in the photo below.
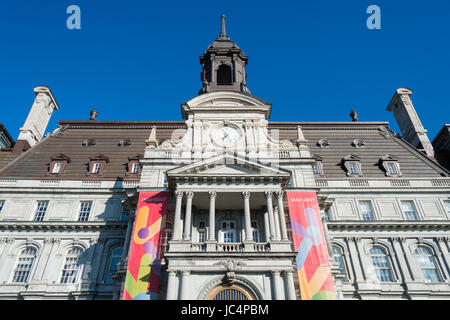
point(227, 165)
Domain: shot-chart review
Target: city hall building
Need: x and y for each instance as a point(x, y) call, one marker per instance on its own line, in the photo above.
point(226, 204)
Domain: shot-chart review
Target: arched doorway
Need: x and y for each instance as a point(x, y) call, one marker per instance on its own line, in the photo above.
point(230, 292)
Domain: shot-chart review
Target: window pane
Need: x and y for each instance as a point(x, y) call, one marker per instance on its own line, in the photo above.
point(447, 203)
point(41, 209)
point(96, 167)
point(426, 261)
point(24, 265)
point(381, 265)
point(135, 168)
point(116, 256)
point(2, 203)
point(71, 265)
point(392, 168)
point(85, 210)
point(409, 210)
point(353, 168)
point(337, 257)
point(57, 167)
point(366, 210)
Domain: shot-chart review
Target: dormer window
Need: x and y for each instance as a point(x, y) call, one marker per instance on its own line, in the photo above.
point(353, 165)
point(97, 164)
point(58, 164)
point(391, 166)
point(57, 168)
point(133, 166)
point(96, 168)
point(318, 166)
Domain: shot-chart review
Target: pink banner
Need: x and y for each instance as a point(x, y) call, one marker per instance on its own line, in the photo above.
point(144, 260)
point(313, 265)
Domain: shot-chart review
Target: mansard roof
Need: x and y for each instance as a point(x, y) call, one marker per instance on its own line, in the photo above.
point(33, 164)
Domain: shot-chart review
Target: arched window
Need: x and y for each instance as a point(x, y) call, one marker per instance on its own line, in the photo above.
point(339, 259)
point(224, 75)
point(71, 265)
point(381, 264)
point(24, 265)
point(116, 256)
point(427, 263)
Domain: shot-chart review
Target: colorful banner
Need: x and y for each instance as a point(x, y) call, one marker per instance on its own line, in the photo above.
point(313, 265)
point(144, 258)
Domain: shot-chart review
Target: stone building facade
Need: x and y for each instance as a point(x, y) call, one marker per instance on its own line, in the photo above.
point(68, 199)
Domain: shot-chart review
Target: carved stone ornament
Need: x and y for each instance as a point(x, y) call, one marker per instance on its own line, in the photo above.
point(231, 265)
point(358, 143)
point(286, 144)
point(168, 144)
point(323, 143)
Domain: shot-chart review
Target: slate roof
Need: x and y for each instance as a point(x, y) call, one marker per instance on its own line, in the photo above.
point(108, 134)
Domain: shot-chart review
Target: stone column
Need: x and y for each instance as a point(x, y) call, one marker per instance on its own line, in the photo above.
point(289, 281)
point(128, 235)
point(184, 285)
point(177, 221)
point(212, 216)
point(172, 286)
point(402, 260)
point(276, 285)
point(187, 217)
point(248, 226)
point(443, 254)
point(268, 195)
point(266, 226)
point(276, 217)
point(283, 228)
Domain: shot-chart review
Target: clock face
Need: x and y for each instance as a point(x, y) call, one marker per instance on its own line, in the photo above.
point(226, 136)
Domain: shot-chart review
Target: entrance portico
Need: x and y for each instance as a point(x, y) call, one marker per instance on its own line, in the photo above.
point(229, 225)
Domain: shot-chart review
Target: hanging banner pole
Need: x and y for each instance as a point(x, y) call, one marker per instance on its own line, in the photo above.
point(144, 261)
point(313, 265)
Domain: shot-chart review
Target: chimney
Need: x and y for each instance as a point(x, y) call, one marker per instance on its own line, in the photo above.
point(34, 127)
point(409, 122)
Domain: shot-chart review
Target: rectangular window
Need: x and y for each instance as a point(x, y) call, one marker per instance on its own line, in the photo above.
point(57, 167)
point(366, 210)
point(353, 168)
point(227, 236)
point(392, 168)
point(41, 209)
point(85, 210)
point(447, 204)
point(96, 168)
point(201, 236)
point(2, 204)
point(409, 210)
point(316, 168)
point(135, 168)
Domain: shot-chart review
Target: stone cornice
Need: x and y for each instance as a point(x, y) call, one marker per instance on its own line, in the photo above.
point(388, 225)
point(62, 225)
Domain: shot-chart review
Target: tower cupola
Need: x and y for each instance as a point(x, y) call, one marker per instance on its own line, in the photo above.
point(223, 65)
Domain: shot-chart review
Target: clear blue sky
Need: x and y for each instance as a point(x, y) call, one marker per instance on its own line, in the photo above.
point(314, 60)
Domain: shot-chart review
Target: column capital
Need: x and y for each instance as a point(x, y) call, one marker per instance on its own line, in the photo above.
point(268, 193)
point(246, 194)
point(189, 194)
point(185, 273)
point(212, 194)
point(275, 273)
point(179, 194)
point(279, 194)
